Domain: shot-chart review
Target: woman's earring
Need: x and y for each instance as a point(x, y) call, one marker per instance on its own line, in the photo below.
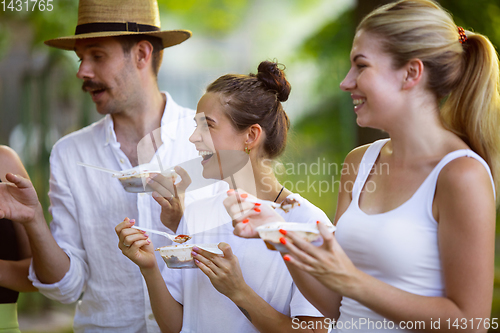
point(247, 150)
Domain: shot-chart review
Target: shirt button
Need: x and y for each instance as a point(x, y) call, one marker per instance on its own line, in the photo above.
point(151, 316)
point(122, 160)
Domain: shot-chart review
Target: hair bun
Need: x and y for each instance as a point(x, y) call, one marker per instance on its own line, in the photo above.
point(274, 79)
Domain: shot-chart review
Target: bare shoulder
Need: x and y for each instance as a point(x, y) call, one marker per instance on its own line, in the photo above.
point(10, 162)
point(464, 186)
point(7, 153)
point(349, 172)
point(356, 154)
point(465, 173)
point(352, 161)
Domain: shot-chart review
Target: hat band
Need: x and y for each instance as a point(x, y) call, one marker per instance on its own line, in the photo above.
point(114, 26)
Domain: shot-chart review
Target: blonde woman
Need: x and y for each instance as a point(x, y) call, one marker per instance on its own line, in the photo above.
point(417, 251)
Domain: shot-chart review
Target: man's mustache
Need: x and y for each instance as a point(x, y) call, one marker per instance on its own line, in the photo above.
point(92, 86)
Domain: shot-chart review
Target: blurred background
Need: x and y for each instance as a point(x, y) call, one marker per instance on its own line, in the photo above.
point(41, 99)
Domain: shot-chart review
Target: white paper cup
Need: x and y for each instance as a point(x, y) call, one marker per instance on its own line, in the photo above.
point(271, 234)
point(179, 256)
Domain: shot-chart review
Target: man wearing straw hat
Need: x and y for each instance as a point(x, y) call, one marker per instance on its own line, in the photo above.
point(120, 45)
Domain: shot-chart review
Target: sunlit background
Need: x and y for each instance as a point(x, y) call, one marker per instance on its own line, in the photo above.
point(41, 99)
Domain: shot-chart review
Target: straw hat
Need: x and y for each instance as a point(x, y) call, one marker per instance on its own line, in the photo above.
point(106, 18)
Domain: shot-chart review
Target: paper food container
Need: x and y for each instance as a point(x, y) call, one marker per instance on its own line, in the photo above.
point(179, 256)
point(271, 234)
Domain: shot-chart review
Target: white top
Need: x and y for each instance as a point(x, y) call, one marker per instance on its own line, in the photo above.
point(205, 310)
point(398, 247)
point(87, 204)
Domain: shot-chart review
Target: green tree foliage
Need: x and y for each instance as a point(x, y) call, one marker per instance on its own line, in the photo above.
point(482, 16)
point(213, 17)
point(327, 132)
point(60, 21)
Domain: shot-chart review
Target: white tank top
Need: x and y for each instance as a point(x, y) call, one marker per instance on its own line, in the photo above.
point(399, 247)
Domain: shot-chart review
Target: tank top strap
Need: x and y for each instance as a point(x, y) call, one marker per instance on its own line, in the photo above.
point(365, 167)
point(428, 189)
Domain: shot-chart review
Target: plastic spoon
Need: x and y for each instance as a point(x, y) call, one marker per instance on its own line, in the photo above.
point(173, 238)
point(97, 168)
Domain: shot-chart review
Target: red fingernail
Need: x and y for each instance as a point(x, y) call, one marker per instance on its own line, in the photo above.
point(317, 222)
point(257, 210)
point(283, 231)
point(230, 191)
point(245, 221)
point(244, 195)
point(283, 240)
point(286, 257)
point(257, 204)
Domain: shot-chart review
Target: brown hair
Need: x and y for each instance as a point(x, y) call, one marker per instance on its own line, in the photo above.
point(466, 76)
point(128, 41)
point(256, 99)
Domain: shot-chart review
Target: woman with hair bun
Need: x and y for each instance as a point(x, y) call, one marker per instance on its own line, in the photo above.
point(415, 251)
point(241, 127)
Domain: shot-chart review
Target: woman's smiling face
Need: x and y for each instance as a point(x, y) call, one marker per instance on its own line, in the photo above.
point(374, 84)
point(215, 133)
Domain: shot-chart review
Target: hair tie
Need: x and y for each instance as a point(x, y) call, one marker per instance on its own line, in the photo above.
point(463, 37)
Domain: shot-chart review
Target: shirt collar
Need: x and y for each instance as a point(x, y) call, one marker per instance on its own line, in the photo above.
point(109, 130)
point(168, 123)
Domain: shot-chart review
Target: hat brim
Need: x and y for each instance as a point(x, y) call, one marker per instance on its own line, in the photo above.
point(169, 38)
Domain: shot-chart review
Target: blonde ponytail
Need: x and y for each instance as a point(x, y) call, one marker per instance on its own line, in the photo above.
point(472, 109)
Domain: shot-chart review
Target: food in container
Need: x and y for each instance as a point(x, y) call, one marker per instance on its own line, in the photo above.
point(288, 204)
point(134, 180)
point(271, 234)
point(182, 238)
point(179, 256)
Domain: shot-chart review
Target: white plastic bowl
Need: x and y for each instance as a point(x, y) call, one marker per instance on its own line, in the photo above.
point(134, 180)
point(179, 256)
point(271, 234)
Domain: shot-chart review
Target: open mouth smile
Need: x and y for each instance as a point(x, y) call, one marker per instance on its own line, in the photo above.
point(206, 155)
point(358, 103)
